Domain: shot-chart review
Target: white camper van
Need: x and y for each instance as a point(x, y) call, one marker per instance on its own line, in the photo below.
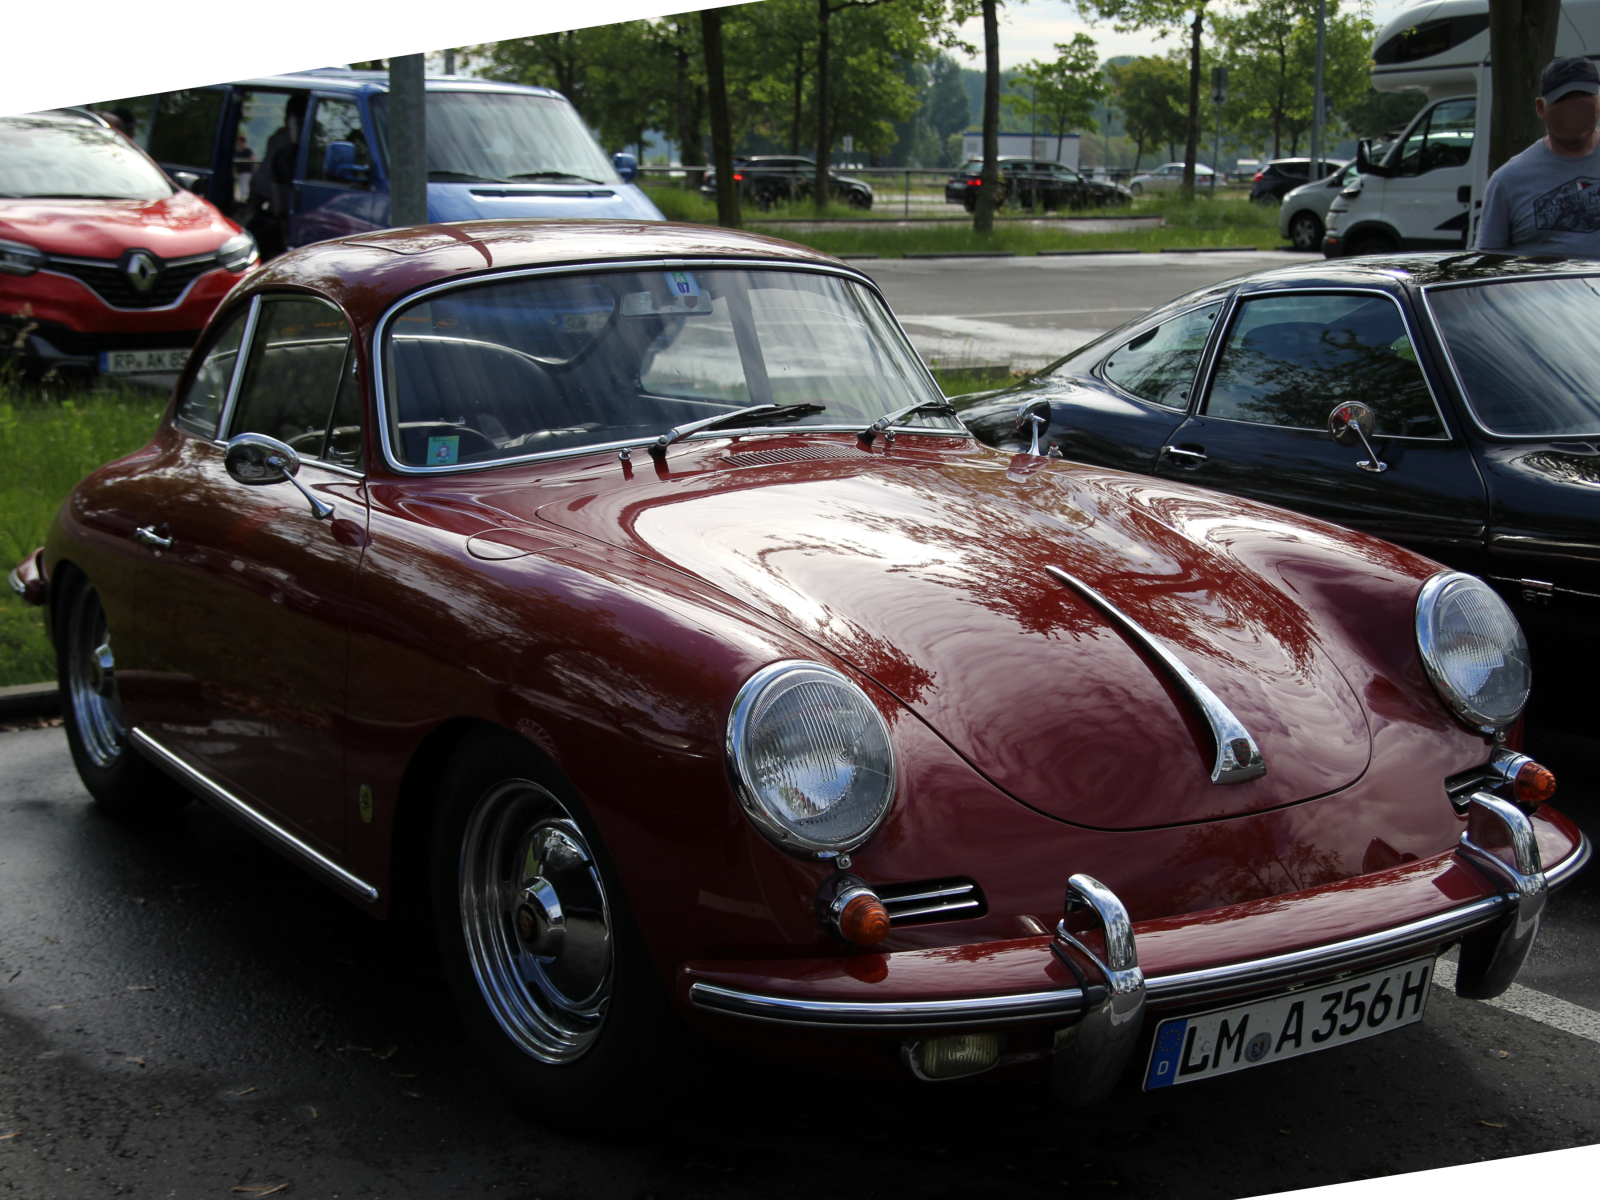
point(1424, 191)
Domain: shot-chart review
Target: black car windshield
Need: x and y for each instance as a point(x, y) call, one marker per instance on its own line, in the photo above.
point(45, 158)
point(1527, 360)
point(504, 137)
point(547, 363)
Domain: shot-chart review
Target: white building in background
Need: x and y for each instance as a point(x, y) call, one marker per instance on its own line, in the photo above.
point(1025, 145)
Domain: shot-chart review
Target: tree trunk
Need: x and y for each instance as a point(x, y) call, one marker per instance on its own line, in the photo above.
point(408, 141)
point(819, 184)
point(1138, 153)
point(721, 131)
point(690, 152)
point(989, 188)
point(1522, 39)
point(1191, 147)
point(799, 96)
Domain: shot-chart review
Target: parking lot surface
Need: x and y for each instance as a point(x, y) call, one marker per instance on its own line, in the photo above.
point(183, 1013)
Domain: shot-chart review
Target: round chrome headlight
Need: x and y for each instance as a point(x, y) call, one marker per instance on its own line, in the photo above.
point(810, 758)
point(1474, 650)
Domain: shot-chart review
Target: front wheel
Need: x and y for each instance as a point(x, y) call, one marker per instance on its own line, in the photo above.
point(547, 969)
point(121, 782)
point(1136, 188)
point(1305, 231)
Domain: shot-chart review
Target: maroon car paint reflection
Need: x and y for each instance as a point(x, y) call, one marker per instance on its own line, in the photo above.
point(319, 677)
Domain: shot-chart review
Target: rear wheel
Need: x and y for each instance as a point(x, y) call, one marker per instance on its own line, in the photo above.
point(547, 969)
point(1305, 231)
point(121, 782)
point(1136, 188)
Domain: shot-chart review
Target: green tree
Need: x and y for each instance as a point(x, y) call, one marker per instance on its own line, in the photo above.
point(1062, 94)
point(1149, 95)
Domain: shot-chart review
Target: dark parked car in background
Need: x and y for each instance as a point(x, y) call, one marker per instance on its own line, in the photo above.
point(1034, 183)
point(1282, 175)
point(104, 264)
point(768, 179)
point(1478, 438)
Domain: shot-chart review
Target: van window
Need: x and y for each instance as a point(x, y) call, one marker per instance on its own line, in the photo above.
point(335, 121)
point(1443, 138)
point(185, 128)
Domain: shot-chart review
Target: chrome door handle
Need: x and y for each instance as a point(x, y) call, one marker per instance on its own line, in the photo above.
point(146, 535)
point(1189, 455)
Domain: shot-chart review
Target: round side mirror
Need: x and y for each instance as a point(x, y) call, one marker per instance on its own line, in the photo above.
point(256, 459)
point(1352, 424)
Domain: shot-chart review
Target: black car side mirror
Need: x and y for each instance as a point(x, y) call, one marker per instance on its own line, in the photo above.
point(1352, 424)
point(1365, 164)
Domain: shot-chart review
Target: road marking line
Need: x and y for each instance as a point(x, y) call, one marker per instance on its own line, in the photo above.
point(1525, 1002)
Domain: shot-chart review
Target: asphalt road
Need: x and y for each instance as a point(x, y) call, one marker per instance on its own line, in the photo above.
point(1028, 311)
point(183, 1013)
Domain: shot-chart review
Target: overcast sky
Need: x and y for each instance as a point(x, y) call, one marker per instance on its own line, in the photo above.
point(1030, 30)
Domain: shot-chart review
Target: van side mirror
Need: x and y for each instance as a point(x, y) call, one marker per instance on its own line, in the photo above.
point(627, 166)
point(1365, 164)
point(339, 162)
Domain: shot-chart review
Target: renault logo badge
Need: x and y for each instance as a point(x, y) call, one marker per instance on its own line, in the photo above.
point(142, 270)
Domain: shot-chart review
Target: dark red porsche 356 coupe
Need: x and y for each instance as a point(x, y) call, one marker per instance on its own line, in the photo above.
point(632, 596)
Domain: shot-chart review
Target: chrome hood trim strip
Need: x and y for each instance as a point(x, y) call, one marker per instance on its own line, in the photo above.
point(214, 791)
point(1238, 756)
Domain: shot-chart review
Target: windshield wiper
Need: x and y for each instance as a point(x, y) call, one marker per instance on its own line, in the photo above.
point(467, 176)
point(942, 408)
point(772, 412)
point(554, 175)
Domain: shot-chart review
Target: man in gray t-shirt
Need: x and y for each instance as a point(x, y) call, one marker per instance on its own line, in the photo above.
point(1546, 200)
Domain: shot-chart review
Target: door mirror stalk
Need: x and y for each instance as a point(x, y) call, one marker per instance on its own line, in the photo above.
point(1352, 424)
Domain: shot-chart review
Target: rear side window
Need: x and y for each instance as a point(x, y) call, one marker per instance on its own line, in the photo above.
point(1160, 363)
point(200, 408)
point(298, 359)
point(185, 127)
point(1290, 360)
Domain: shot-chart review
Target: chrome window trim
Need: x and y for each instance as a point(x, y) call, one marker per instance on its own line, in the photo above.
point(1455, 373)
point(381, 332)
point(246, 341)
point(1412, 330)
point(1098, 370)
point(176, 766)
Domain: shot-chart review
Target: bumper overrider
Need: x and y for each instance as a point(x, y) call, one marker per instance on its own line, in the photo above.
point(1098, 984)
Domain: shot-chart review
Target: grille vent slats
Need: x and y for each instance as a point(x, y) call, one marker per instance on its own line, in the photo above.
point(932, 900)
point(760, 458)
point(113, 286)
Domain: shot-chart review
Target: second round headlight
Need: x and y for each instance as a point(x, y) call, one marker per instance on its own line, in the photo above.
point(810, 758)
point(1474, 650)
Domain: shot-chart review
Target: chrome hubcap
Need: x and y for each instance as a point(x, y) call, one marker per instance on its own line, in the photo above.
point(536, 921)
point(92, 681)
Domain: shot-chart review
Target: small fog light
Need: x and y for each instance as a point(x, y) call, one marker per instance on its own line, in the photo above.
point(1535, 785)
point(953, 1057)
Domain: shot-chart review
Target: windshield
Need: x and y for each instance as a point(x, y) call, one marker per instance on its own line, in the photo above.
point(1528, 363)
point(504, 137)
point(47, 159)
point(550, 363)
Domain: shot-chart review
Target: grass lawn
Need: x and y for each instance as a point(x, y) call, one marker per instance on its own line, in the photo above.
point(46, 446)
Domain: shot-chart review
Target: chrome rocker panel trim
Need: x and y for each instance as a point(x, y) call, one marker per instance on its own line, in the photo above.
point(211, 790)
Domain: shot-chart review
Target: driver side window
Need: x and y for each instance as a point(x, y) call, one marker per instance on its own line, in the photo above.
point(297, 362)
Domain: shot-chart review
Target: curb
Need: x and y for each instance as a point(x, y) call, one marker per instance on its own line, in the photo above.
point(1203, 249)
point(30, 700)
point(961, 254)
point(1075, 253)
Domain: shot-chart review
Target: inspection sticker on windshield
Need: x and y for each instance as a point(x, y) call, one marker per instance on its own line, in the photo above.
point(683, 296)
point(1314, 1018)
point(442, 451)
point(141, 362)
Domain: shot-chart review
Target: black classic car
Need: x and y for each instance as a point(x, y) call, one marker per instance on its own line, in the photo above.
point(1034, 183)
point(1450, 404)
point(768, 179)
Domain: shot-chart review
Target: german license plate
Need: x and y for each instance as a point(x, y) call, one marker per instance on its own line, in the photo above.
point(142, 362)
point(1188, 1049)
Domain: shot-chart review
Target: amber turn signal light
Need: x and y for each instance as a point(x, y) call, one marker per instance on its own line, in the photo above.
point(864, 921)
point(1534, 785)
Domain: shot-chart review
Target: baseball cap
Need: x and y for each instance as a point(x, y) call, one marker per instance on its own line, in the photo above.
point(1567, 75)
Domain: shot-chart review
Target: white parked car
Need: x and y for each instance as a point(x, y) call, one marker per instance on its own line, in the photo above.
point(1169, 178)
point(1304, 214)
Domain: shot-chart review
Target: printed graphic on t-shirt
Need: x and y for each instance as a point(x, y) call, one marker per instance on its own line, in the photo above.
point(1574, 207)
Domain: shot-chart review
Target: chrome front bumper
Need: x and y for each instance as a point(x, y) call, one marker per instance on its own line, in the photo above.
point(1496, 933)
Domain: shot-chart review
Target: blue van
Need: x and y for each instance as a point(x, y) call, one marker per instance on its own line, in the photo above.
point(494, 150)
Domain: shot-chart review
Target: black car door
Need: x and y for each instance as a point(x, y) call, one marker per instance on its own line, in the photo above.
point(1285, 361)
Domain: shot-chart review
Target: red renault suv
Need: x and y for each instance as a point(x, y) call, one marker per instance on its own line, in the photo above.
point(105, 265)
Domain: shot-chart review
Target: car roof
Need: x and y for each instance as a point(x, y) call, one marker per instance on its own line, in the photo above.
point(63, 116)
point(337, 79)
point(1397, 272)
point(369, 272)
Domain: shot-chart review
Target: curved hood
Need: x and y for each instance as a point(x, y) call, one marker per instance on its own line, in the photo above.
point(521, 201)
point(928, 573)
point(176, 227)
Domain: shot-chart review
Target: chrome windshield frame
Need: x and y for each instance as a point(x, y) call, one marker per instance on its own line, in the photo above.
point(382, 329)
